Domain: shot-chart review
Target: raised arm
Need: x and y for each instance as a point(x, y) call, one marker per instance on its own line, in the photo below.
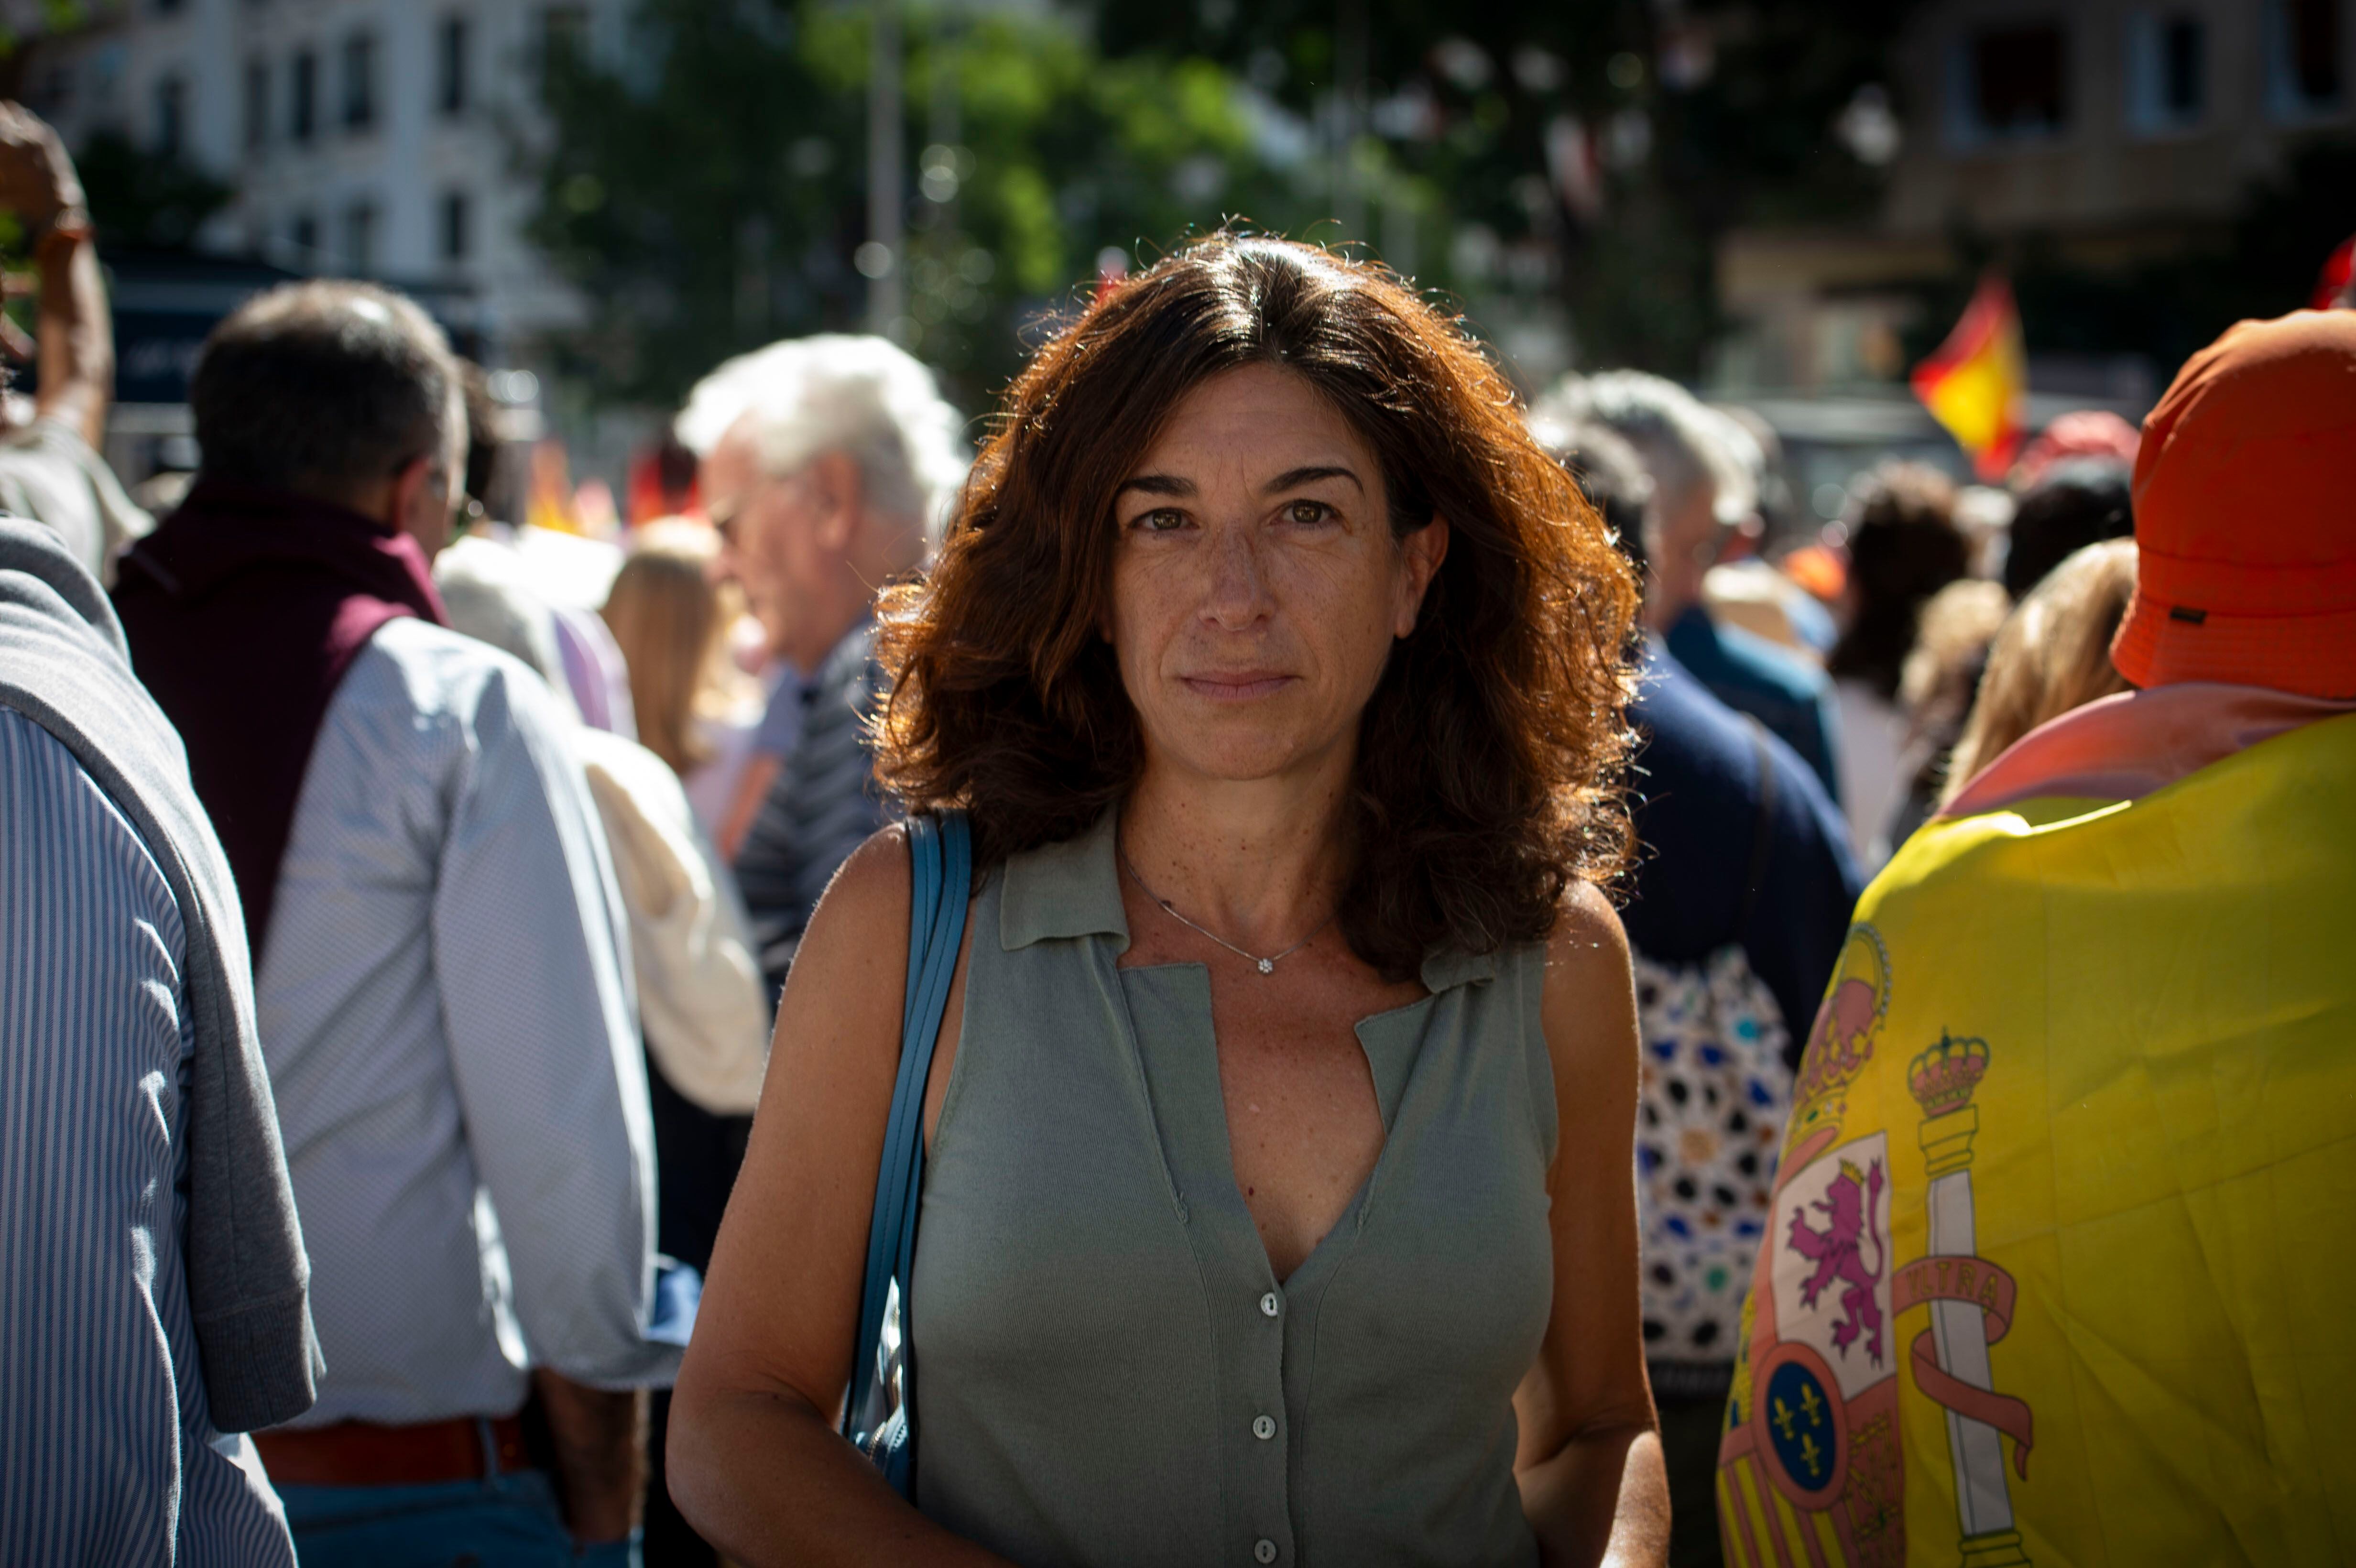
point(75, 337)
point(754, 1460)
point(1590, 1470)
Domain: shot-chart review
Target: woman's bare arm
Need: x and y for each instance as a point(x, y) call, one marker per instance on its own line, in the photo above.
point(1593, 1482)
point(755, 1463)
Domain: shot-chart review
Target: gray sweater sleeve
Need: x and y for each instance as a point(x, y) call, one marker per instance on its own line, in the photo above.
point(62, 664)
point(249, 1280)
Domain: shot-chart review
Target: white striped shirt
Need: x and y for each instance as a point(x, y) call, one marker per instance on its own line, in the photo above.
point(446, 1012)
point(107, 1448)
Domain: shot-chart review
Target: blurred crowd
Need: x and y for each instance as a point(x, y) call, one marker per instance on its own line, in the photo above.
point(1800, 717)
point(518, 831)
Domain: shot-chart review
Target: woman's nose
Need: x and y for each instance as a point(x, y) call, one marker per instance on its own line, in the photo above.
point(1238, 588)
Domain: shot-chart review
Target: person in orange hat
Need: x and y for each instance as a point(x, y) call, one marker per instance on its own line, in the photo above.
point(2066, 1166)
point(2244, 621)
point(2259, 428)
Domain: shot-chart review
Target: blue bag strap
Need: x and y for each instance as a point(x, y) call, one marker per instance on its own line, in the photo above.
point(940, 860)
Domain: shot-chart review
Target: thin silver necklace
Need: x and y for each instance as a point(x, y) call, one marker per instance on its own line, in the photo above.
point(1265, 966)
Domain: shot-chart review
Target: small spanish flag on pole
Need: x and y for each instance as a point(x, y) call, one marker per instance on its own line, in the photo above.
point(1978, 383)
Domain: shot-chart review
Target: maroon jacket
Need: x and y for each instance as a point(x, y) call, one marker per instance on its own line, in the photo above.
point(243, 610)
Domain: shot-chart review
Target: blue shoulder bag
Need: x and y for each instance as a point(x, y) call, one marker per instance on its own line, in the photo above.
point(879, 1417)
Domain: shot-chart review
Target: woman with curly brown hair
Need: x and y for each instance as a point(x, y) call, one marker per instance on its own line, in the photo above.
point(1278, 1206)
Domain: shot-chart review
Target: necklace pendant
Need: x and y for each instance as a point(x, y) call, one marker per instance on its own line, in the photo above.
point(1268, 965)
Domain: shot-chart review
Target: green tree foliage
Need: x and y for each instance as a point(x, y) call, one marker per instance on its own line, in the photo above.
point(139, 199)
point(709, 194)
point(1693, 118)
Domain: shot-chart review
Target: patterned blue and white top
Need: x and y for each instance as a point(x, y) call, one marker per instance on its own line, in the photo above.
point(107, 1448)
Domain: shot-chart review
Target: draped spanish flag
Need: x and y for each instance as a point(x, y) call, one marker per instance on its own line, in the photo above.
point(2061, 1262)
point(1978, 383)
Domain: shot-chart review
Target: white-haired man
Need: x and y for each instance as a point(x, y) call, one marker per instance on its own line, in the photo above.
point(824, 461)
point(1705, 470)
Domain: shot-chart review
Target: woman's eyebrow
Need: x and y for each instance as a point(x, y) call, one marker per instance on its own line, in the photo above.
point(1292, 478)
point(1158, 485)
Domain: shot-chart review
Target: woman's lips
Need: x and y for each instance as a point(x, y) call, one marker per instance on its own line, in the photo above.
point(1237, 686)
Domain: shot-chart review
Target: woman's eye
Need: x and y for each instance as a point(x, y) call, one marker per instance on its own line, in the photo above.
point(1163, 521)
point(1308, 513)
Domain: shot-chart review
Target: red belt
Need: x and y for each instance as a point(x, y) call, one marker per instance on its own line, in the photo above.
point(363, 1454)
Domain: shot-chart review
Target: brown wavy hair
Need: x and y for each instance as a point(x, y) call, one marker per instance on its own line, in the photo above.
point(1489, 757)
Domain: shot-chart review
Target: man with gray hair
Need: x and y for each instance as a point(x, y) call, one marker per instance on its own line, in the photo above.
point(827, 463)
point(441, 985)
point(1704, 467)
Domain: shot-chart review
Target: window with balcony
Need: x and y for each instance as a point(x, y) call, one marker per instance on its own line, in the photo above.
point(302, 96)
point(2304, 41)
point(453, 44)
point(2168, 71)
point(359, 82)
point(257, 104)
point(457, 226)
point(171, 116)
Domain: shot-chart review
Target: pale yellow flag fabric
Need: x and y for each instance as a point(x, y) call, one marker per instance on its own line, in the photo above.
point(2061, 1262)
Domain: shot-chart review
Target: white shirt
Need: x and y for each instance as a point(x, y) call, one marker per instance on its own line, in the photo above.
point(699, 995)
point(1874, 768)
point(446, 1013)
point(47, 472)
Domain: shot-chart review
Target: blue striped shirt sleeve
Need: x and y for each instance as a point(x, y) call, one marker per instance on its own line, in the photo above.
point(109, 1453)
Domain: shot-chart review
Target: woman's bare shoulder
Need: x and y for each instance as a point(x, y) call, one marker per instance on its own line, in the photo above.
point(856, 949)
point(1588, 944)
point(872, 886)
point(1589, 998)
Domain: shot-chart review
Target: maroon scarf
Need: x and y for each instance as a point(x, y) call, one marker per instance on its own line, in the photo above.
point(243, 610)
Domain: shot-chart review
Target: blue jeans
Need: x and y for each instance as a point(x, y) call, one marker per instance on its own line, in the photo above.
point(508, 1521)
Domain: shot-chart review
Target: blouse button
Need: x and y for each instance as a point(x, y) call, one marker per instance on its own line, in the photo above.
point(1263, 1427)
point(1263, 1551)
point(1268, 1305)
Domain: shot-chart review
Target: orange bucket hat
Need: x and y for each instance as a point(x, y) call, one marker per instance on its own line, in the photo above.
point(2245, 515)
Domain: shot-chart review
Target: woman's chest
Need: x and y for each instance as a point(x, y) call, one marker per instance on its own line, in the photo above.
point(1112, 1144)
point(1096, 1303)
point(1304, 1127)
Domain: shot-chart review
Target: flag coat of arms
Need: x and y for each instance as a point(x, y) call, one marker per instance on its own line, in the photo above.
point(2062, 1260)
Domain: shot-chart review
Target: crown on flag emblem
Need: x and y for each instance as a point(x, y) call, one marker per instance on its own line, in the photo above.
point(1942, 1079)
point(1841, 1043)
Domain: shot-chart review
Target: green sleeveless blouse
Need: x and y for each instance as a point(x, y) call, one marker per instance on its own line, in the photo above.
point(1108, 1374)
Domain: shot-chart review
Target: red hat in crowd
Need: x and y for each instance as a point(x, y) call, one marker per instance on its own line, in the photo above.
point(2086, 432)
point(2245, 515)
point(2335, 286)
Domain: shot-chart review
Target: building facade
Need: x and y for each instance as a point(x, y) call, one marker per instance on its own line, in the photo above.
point(391, 139)
point(2113, 130)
